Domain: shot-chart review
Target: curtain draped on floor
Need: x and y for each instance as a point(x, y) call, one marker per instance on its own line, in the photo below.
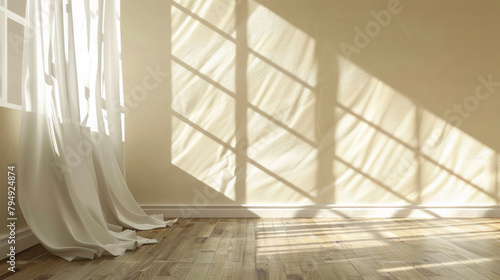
point(72, 190)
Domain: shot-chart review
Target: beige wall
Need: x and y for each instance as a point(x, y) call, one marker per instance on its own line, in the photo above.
point(285, 102)
point(10, 123)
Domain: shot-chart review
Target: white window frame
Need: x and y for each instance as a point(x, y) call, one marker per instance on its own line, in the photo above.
point(7, 14)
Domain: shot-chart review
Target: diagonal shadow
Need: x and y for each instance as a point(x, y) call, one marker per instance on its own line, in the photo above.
point(325, 101)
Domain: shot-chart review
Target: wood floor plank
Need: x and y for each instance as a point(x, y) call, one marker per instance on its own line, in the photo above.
point(309, 269)
point(222, 250)
point(262, 271)
point(207, 251)
point(458, 255)
point(102, 270)
point(248, 270)
point(306, 232)
point(291, 249)
point(151, 272)
point(230, 228)
point(86, 271)
point(215, 271)
point(232, 270)
point(276, 271)
point(219, 228)
point(198, 271)
point(187, 249)
point(342, 270)
point(240, 228)
point(172, 243)
point(208, 228)
point(288, 254)
point(235, 253)
point(173, 271)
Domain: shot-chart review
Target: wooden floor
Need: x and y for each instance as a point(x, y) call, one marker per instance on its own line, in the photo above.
point(317, 248)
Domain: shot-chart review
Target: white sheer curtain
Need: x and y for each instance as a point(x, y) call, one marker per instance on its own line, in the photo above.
point(72, 189)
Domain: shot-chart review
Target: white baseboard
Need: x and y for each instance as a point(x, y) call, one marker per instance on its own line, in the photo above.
point(24, 240)
point(337, 211)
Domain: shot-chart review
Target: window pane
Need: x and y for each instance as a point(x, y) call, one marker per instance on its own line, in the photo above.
point(15, 40)
point(17, 6)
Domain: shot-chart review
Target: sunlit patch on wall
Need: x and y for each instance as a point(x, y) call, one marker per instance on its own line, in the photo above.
point(204, 104)
point(190, 145)
point(354, 139)
point(374, 102)
point(278, 96)
point(287, 47)
point(404, 151)
point(217, 13)
point(457, 168)
point(203, 49)
point(281, 154)
point(353, 187)
point(375, 130)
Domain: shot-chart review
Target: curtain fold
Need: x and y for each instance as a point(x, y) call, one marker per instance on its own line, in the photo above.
point(72, 189)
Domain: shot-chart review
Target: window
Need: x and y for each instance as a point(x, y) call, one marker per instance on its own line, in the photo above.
point(12, 21)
